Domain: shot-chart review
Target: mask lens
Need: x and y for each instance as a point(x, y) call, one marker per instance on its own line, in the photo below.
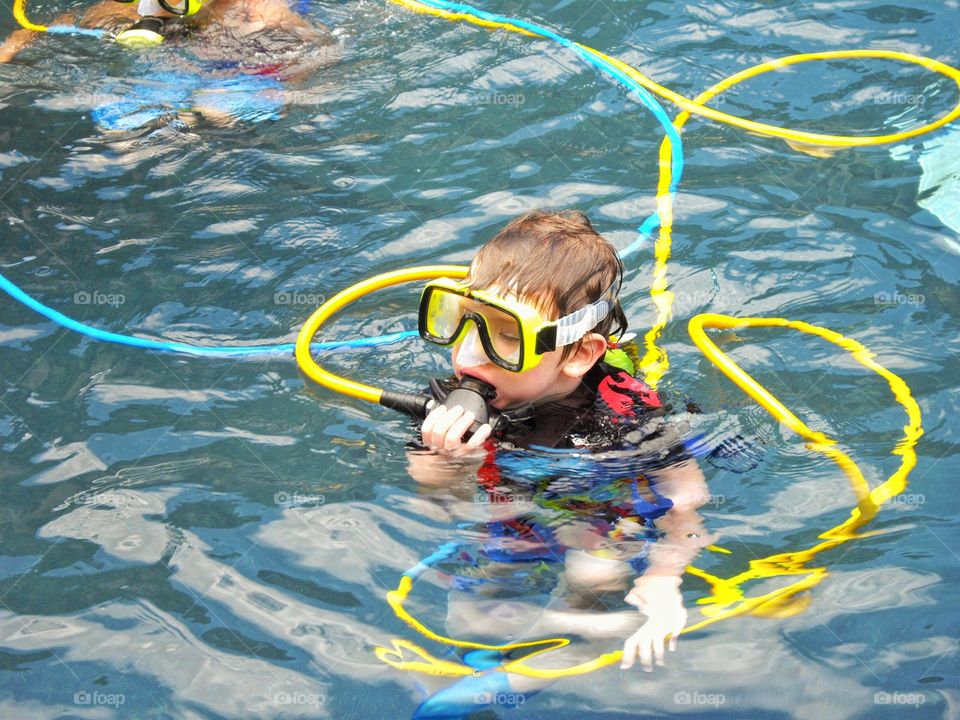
point(443, 314)
point(503, 332)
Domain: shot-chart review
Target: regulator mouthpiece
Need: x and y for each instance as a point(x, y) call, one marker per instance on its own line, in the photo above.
point(474, 395)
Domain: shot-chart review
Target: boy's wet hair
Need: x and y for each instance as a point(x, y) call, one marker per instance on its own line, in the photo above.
point(555, 260)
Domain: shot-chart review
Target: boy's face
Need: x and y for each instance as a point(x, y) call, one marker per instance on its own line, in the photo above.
point(545, 381)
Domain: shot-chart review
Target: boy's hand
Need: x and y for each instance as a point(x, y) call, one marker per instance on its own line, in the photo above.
point(444, 428)
point(658, 597)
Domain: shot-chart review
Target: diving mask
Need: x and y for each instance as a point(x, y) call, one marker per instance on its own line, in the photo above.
point(513, 335)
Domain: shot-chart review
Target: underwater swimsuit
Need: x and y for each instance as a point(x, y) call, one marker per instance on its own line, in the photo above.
point(164, 95)
point(580, 457)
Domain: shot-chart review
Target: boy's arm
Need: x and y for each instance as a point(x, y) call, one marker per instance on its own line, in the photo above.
point(656, 593)
point(430, 470)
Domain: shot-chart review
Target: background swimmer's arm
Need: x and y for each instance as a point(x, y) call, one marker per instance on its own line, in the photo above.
point(656, 593)
point(17, 41)
point(102, 15)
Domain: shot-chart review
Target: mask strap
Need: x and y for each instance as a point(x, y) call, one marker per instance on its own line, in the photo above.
point(574, 326)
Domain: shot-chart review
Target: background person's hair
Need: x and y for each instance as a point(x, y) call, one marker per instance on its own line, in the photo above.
point(557, 261)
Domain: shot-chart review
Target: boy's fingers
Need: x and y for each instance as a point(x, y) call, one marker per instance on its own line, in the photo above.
point(431, 419)
point(480, 436)
point(454, 435)
point(646, 656)
point(658, 650)
point(443, 421)
point(675, 633)
point(629, 653)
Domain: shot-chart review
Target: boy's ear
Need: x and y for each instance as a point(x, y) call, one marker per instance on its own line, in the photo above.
point(592, 347)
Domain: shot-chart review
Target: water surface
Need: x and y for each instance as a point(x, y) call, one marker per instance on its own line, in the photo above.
point(196, 537)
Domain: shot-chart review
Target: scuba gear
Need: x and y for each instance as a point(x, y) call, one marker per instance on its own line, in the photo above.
point(513, 334)
point(148, 31)
point(472, 394)
point(471, 353)
point(152, 28)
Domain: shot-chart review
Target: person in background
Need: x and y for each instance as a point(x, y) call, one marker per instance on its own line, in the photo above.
point(232, 59)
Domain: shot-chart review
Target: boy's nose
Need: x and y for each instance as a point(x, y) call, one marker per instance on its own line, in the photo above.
point(471, 352)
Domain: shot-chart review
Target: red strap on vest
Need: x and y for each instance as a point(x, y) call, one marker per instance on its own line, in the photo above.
point(620, 391)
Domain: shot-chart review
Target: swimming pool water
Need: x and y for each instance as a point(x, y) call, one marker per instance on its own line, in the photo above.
point(202, 537)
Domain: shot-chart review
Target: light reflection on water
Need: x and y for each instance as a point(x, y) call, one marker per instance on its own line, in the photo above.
point(210, 538)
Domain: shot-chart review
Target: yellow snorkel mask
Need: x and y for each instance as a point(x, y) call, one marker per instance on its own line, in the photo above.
point(149, 30)
point(514, 335)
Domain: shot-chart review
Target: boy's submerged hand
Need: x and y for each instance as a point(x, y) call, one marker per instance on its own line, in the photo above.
point(658, 597)
point(444, 428)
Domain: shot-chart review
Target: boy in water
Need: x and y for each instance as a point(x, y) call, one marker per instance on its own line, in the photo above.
point(532, 323)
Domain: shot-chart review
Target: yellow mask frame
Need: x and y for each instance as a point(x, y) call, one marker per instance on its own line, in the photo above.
point(514, 335)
